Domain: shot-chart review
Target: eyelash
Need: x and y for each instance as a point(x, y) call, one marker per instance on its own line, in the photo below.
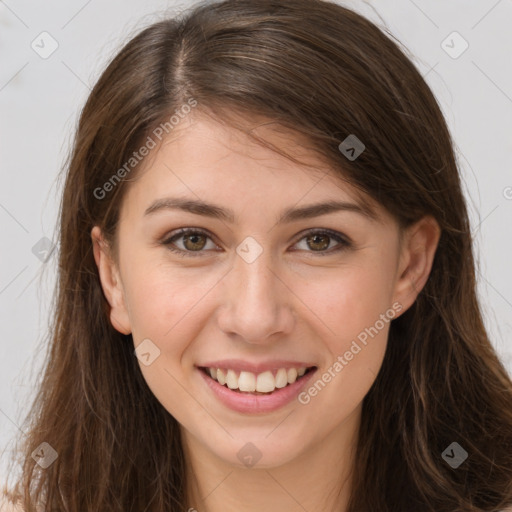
point(343, 242)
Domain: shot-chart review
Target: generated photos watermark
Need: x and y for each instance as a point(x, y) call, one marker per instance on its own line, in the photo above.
point(157, 135)
point(343, 360)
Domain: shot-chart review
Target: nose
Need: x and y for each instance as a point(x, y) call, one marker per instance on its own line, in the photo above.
point(257, 303)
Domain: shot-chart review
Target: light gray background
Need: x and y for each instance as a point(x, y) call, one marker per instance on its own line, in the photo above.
point(40, 100)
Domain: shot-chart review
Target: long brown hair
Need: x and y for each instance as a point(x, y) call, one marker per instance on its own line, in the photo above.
point(324, 72)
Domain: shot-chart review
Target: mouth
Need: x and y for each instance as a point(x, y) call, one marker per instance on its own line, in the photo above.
point(249, 393)
point(265, 383)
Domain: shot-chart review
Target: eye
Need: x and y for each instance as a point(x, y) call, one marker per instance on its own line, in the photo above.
point(320, 240)
point(194, 240)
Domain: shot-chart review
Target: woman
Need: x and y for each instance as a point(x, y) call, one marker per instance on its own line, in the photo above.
point(266, 297)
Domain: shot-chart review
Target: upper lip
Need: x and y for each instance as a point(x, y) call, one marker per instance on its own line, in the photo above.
point(246, 366)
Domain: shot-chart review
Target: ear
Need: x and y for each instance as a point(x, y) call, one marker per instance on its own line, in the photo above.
point(110, 282)
point(418, 248)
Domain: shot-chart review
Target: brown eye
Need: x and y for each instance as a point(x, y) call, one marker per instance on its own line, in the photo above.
point(320, 242)
point(189, 242)
point(194, 242)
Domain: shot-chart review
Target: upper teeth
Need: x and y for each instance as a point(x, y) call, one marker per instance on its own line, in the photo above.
point(263, 382)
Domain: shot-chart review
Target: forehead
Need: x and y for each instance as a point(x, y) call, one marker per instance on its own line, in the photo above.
point(206, 158)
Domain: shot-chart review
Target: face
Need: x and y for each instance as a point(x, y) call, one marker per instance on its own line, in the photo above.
point(259, 281)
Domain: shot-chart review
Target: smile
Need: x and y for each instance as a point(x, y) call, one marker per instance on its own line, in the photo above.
point(254, 401)
point(260, 383)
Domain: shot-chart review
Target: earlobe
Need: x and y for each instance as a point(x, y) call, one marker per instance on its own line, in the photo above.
point(110, 283)
point(418, 250)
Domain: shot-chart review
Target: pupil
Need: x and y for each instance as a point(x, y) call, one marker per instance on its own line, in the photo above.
point(325, 237)
point(191, 239)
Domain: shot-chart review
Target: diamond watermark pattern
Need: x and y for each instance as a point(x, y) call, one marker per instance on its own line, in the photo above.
point(43, 249)
point(44, 455)
point(249, 455)
point(44, 45)
point(351, 147)
point(454, 45)
point(249, 249)
point(147, 352)
point(455, 455)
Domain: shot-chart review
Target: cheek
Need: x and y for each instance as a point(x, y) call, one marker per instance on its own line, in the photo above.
point(165, 303)
point(355, 313)
point(167, 306)
point(353, 310)
point(349, 299)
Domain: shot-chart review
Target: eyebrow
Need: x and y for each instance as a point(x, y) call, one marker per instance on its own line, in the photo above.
point(289, 215)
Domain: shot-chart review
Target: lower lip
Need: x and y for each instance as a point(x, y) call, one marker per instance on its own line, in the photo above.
point(243, 402)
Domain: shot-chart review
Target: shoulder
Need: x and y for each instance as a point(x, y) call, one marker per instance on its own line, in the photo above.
point(6, 505)
point(9, 503)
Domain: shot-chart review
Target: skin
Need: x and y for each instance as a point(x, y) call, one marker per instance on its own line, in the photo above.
point(290, 303)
